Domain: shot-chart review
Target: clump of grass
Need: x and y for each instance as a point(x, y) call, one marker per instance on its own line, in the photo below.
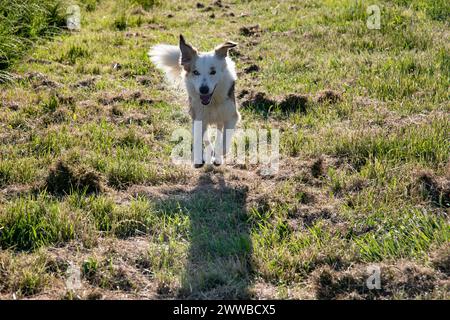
point(90, 268)
point(25, 275)
point(63, 178)
point(424, 143)
point(131, 139)
point(104, 213)
point(121, 22)
point(105, 274)
point(437, 10)
point(147, 4)
point(90, 5)
point(51, 142)
point(408, 235)
point(51, 104)
point(30, 282)
point(17, 171)
point(126, 172)
point(75, 53)
point(292, 143)
point(28, 223)
point(23, 23)
point(139, 218)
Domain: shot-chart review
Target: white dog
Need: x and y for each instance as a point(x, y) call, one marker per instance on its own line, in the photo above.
point(209, 78)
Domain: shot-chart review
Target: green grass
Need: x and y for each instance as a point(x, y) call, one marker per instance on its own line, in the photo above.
point(35, 222)
point(86, 177)
point(22, 24)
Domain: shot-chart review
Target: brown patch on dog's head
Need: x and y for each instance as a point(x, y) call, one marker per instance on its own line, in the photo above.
point(188, 54)
point(222, 50)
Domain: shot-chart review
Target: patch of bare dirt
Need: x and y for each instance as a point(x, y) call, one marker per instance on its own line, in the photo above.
point(440, 259)
point(64, 177)
point(13, 191)
point(309, 217)
point(12, 105)
point(156, 26)
point(229, 14)
point(126, 95)
point(135, 35)
point(252, 68)
point(60, 115)
point(393, 120)
point(217, 3)
point(39, 81)
point(65, 100)
point(250, 31)
point(39, 61)
point(243, 93)
point(294, 102)
point(329, 96)
point(260, 101)
point(117, 274)
point(365, 101)
point(138, 11)
point(433, 188)
point(298, 188)
point(356, 185)
point(404, 278)
point(85, 83)
point(318, 168)
point(144, 80)
point(118, 116)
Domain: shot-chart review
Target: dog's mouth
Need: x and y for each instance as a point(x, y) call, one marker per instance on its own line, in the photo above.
point(205, 98)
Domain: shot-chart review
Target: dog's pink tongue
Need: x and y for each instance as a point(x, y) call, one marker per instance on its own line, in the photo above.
point(205, 98)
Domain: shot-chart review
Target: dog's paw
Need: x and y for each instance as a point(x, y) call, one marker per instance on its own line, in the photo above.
point(217, 161)
point(199, 165)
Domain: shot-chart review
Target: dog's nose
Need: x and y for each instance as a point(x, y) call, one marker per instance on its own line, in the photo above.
point(204, 90)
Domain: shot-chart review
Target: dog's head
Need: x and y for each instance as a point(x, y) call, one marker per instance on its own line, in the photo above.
point(204, 70)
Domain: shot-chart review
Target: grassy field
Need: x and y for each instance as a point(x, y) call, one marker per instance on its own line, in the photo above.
point(87, 183)
point(22, 24)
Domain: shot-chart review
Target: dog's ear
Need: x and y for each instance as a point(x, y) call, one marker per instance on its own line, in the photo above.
point(188, 53)
point(222, 50)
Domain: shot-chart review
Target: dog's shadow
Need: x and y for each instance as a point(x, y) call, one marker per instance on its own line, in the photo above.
point(219, 258)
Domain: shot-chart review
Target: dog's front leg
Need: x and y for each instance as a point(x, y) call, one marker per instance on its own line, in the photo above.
point(218, 146)
point(227, 136)
point(198, 129)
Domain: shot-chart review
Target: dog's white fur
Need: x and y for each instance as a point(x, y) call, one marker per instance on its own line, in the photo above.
point(183, 64)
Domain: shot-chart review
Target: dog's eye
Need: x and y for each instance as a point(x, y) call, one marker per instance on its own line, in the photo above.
point(212, 72)
point(196, 73)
